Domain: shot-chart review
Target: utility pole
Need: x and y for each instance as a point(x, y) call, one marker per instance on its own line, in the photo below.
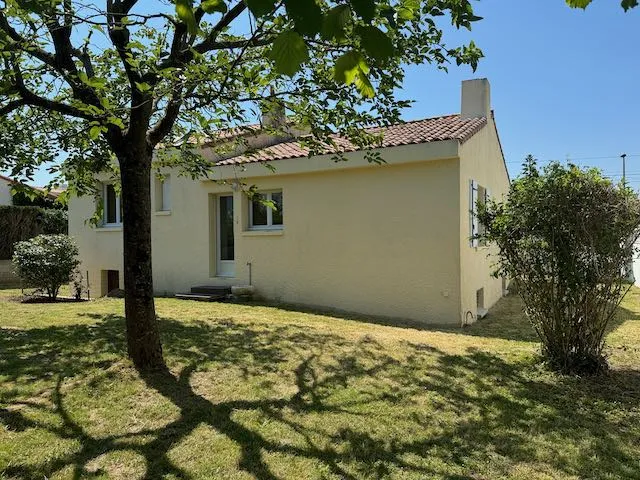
point(624, 168)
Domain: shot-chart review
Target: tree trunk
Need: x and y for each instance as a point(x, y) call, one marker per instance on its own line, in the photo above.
point(143, 336)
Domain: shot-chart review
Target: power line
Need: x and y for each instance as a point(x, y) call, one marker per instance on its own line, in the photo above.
point(572, 159)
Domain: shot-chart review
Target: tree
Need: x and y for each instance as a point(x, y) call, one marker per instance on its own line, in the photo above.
point(565, 235)
point(108, 83)
point(46, 262)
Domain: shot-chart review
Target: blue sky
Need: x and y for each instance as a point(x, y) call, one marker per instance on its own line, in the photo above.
point(564, 82)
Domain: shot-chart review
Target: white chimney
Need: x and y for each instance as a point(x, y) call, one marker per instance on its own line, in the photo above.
point(476, 98)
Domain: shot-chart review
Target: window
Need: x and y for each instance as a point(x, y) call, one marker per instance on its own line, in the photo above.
point(163, 194)
point(111, 206)
point(263, 216)
point(477, 195)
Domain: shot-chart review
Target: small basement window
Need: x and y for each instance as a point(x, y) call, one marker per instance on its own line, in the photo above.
point(262, 216)
point(481, 312)
point(110, 281)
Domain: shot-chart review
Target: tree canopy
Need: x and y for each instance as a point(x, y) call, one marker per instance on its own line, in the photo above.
point(194, 68)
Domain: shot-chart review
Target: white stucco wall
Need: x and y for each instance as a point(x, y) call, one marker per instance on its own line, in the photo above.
point(5, 192)
point(481, 160)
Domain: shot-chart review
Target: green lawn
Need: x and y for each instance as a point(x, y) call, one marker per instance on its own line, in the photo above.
point(268, 393)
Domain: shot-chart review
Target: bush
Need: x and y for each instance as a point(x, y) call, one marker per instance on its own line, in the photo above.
point(46, 262)
point(566, 236)
point(22, 223)
point(54, 221)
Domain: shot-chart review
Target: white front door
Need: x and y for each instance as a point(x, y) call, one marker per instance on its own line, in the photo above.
point(225, 244)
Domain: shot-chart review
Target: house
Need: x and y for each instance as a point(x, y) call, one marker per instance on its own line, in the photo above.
point(389, 240)
point(46, 198)
point(5, 191)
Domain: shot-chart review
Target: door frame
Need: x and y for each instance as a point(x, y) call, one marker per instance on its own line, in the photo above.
point(224, 268)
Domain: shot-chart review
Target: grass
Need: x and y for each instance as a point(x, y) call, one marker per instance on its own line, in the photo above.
point(268, 393)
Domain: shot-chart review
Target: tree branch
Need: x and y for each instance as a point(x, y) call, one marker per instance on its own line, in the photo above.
point(11, 106)
point(166, 123)
point(30, 98)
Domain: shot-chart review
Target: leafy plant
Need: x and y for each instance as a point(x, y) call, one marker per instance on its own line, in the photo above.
point(566, 236)
point(46, 262)
point(77, 284)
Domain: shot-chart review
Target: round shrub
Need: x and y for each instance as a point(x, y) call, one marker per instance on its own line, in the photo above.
point(46, 262)
point(566, 235)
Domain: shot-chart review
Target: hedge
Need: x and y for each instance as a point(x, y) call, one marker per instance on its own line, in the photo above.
point(19, 223)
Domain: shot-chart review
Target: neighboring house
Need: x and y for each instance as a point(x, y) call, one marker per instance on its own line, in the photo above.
point(7, 197)
point(5, 191)
point(390, 240)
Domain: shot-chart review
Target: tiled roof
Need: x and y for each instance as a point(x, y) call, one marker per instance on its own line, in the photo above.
point(449, 127)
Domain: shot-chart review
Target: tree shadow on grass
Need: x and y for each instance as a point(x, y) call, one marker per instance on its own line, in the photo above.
point(507, 320)
point(472, 415)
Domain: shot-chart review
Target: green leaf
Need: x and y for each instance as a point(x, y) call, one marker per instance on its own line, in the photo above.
point(335, 22)
point(211, 6)
point(363, 85)
point(627, 4)
point(578, 3)
point(306, 15)
point(408, 10)
point(95, 131)
point(376, 43)
point(184, 10)
point(143, 86)
point(365, 9)
point(289, 52)
point(259, 8)
point(348, 66)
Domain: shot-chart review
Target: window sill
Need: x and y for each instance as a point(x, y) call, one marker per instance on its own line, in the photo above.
point(162, 213)
point(109, 228)
point(267, 232)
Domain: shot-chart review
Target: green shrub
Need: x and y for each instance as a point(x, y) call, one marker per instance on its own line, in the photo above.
point(46, 262)
point(54, 221)
point(566, 236)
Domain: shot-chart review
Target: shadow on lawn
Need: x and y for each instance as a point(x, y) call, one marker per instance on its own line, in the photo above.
point(492, 407)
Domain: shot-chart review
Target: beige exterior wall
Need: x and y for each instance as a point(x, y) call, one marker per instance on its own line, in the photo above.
point(377, 240)
point(5, 193)
point(388, 240)
point(481, 159)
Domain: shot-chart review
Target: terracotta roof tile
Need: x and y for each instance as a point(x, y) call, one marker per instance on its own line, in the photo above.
point(449, 127)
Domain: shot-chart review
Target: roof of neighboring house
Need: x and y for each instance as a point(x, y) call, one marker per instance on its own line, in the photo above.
point(448, 127)
point(53, 193)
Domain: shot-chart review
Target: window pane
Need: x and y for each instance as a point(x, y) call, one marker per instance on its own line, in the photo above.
point(166, 194)
point(276, 214)
point(226, 228)
point(259, 211)
point(110, 205)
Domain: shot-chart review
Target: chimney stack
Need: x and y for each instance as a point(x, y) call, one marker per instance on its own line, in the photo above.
point(476, 98)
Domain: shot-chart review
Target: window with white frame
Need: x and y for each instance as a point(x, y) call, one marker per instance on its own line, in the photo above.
point(478, 195)
point(265, 211)
point(163, 194)
point(112, 208)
